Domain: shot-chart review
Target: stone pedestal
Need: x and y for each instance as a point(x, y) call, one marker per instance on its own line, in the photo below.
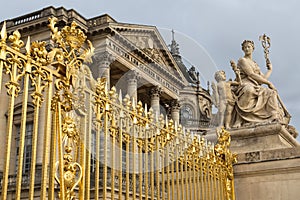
point(273, 174)
point(268, 163)
point(261, 138)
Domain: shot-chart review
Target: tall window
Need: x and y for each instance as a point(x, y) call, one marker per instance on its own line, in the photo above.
point(27, 147)
point(124, 155)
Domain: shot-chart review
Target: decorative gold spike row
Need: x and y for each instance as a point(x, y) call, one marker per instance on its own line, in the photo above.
point(35, 53)
point(40, 80)
point(194, 157)
point(148, 144)
point(12, 61)
point(11, 55)
point(103, 100)
point(139, 115)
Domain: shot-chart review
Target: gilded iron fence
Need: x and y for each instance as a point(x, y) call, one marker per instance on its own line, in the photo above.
point(67, 136)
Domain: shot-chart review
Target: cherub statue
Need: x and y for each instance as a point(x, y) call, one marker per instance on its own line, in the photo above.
point(223, 98)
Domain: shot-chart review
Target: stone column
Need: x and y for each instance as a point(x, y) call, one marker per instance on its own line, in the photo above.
point(104, 60)
point(132, 79)
point(175, 108)
point(155, 93)
point(41, 131)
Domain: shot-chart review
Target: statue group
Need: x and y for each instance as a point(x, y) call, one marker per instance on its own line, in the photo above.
point(251, 98)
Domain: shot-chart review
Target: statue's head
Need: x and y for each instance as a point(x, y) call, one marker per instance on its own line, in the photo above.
point(220, 76)
point(246, 42)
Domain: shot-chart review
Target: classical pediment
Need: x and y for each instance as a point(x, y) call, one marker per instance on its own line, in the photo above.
point(147, 45)
point(148, 40)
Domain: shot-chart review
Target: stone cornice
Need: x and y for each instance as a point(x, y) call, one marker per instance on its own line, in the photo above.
point(33, 22)
point(263, 137)
point(40, 18)
point(267, 166)
point(269, 155)
point(145, 64)
point(152, 30)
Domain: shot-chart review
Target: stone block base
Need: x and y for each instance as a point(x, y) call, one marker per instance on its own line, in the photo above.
point(261, 138)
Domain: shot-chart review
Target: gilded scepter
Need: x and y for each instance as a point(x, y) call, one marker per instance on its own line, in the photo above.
point(266, 44)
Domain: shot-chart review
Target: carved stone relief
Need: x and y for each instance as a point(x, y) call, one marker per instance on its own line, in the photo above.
point(252, 156)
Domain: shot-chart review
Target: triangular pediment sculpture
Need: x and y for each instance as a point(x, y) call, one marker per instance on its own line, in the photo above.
point(148, 40)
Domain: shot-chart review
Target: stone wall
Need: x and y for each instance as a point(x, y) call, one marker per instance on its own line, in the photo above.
point(266, 172)
point(268, 175)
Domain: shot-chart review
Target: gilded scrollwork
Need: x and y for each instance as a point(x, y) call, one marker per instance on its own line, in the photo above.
point(40, 79)
point(72, 171)
point(39, 53)
point(69, 53)
point(100, 102)
point(227, 159)
point(12, 61)
point(70, 50)
point(127, 122)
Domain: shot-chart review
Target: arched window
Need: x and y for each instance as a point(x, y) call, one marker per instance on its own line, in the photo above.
point(186, 114)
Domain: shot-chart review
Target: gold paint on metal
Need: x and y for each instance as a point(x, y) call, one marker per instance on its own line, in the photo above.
point(46, 141)
point(22, 134)
point(161, 160)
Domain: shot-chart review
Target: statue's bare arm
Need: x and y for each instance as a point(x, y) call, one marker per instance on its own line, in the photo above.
point(250, 73)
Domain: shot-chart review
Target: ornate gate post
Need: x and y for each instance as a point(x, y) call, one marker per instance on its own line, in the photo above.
point(70, 51)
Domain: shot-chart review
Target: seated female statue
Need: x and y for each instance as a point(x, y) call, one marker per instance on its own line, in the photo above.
point(255, 102)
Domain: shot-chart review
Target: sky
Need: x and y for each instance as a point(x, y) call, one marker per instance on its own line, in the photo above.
point(209, 32)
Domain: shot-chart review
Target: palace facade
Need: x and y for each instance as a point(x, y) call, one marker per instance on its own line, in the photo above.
point(144, 76)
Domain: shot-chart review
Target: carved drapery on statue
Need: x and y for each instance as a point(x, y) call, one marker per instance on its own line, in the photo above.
point(256, 103)
point(251, 102)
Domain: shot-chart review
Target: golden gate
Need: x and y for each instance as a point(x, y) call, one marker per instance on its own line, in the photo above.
point(95, 144)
